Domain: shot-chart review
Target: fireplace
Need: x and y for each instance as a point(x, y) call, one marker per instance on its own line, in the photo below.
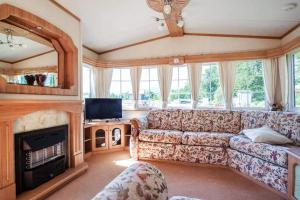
point(40, 155)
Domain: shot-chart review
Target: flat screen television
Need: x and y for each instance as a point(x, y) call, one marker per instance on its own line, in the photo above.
point(103, 108)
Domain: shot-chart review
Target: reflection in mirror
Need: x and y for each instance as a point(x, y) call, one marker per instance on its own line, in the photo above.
point(27, 58)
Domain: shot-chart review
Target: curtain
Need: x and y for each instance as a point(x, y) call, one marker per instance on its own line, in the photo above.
point(195, 71)
point(135, 73)
point(96, 81)
point(165, 73)
point(270, 79)
point(283, 77)
point(227, 79)
point(101, 82)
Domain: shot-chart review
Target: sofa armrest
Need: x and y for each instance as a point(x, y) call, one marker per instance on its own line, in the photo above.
point(137, 125)
point(139, 181)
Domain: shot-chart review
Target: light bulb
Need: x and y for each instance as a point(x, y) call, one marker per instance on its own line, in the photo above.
point(167, 9)
point(180, 23)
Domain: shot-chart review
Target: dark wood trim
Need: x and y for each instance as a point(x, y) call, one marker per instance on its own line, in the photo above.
point(33, 56)
point(234, 36)
point(65, 10)
point(6, 61)
point(92, 50)
point(291, 30)
point(134, 44)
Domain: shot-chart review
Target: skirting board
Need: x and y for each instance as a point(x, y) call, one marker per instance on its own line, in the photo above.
point(53, 185)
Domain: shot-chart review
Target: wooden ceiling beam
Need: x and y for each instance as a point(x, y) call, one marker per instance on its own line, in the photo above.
point(171, 19)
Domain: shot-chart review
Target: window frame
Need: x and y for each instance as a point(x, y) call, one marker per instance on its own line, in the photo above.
point(88, 66)
point(149, 80)
point(291, 81)
point(252, 108)
point(124, 106)
point(178, 89)
point(209, 107)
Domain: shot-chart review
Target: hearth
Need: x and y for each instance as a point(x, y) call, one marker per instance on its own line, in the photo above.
point(40, 155)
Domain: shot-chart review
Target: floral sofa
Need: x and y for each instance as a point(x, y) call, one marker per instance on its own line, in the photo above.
point(212, 137)
point(140, 181)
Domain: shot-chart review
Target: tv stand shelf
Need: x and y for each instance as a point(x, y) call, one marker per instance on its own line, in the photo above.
point(105, 136)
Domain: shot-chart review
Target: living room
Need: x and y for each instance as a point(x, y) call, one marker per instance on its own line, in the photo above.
point(149, 99)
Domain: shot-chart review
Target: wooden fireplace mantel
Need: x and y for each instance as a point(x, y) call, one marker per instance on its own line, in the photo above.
point(10, 110)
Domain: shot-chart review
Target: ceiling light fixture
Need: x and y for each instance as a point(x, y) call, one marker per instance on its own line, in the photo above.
point(167, 7)
point(180, 22)
point(10, 40)
point(289, 6)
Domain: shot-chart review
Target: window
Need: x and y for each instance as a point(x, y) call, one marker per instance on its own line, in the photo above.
point(210, 89)
point(249, 85)
point(296, 79)
point(149, 88)
point(86, 81)
point(121, 87)
point(180, 95)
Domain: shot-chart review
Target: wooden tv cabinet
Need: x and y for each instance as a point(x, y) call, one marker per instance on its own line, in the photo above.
point(106, 136)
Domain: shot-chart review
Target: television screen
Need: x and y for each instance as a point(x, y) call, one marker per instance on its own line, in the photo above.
point(103, 108)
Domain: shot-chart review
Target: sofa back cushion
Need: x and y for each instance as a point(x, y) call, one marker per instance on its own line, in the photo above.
point(166, 119)
point(211, 121)
point(285, 123)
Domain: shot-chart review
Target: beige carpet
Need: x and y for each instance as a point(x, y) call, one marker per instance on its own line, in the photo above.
point(207, 183)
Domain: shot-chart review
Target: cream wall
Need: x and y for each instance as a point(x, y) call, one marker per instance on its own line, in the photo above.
point(89, 54)
point(48, 11)
point(49, 59)
point(5, 65)
point(191, 45)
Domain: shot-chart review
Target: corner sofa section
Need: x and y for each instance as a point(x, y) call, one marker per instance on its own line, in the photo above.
point(212, 137)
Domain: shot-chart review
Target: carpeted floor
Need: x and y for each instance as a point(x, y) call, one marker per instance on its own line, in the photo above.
point(207, 183)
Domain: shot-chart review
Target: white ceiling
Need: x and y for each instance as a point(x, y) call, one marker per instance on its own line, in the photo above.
point(18, 53)
point(109, 24)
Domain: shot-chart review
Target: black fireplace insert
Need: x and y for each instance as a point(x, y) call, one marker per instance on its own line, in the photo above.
point(40, 155)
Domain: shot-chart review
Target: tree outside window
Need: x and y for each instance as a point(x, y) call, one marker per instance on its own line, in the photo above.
point(210, 89)
point(297, 78)
point(249, 85)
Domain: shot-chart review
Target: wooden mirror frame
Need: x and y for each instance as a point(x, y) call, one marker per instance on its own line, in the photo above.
point(62, 43)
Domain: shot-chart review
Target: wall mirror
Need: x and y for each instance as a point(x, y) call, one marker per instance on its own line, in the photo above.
point(27, 58)
point(36, 57)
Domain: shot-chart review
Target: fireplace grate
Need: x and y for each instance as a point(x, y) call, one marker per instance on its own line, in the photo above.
point(36, 158)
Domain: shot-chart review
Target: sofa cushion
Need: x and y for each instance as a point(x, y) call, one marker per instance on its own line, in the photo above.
point(165, 119)
point(206, 138)
point(285, 123)
point(162, 136)
point(211, 121)
point(270, 153)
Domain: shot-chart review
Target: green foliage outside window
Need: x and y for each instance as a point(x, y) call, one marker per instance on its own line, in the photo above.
point(297, 78)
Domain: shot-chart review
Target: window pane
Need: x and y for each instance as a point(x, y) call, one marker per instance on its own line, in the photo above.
point(149, 88)
point(249, 85)
point(210, 89)
point(121, 87)
point(297, 79)
point(86, 81)
point(180, 95)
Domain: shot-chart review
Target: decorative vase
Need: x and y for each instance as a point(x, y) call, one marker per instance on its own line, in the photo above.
point(29, 79)
point(40, 79)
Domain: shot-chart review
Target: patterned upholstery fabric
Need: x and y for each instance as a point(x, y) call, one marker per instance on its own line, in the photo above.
point(160, 151)
point(133, 147)
point(270, 153)
point(138, 124)
point(211, 121)
point(272, 175)
point(285, 123)
point(163, 136)
point(201, 154)
point(182, 198)
point(140, 181)
point(206, 139)
point(165, 119)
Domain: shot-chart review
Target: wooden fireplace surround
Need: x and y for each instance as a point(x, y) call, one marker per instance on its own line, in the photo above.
point(62, 43)
point(10, 110)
